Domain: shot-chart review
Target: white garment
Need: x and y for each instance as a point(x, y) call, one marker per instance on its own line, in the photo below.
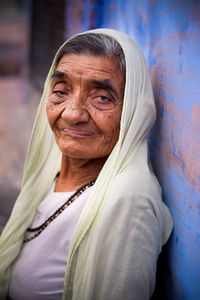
point(38, 273)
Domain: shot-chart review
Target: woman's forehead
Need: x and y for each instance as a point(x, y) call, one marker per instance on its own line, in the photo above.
point(90, 68)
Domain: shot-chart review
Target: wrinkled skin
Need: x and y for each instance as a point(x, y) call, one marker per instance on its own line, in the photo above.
point(85, 116)
point(84, 107)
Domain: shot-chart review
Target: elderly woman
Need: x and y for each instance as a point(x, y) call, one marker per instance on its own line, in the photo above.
point(89, 222)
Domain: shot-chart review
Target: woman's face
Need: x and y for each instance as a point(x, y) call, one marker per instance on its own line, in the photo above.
point(85, 104)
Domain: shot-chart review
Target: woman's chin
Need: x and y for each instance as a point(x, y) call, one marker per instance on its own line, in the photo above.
point(74, 153)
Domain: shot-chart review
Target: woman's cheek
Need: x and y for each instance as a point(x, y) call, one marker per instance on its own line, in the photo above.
point(52, 113)
point(110, 127)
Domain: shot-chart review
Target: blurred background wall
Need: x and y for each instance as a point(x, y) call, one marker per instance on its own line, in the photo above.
point(168, 31)
point(16, 106)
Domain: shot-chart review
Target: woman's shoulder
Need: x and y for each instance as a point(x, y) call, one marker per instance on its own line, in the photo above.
point(137, 182)
point(138, 191)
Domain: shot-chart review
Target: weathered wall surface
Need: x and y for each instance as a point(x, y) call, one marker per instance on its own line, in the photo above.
point(175, 143)
point(169, 34)
point(17, 101)
point(47, 34)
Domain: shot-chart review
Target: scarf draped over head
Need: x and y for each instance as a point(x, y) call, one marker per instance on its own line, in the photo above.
point(126, 175)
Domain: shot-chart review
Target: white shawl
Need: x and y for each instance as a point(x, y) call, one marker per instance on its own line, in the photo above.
point(124, 223)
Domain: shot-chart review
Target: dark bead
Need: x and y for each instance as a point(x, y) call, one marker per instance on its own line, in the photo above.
point(59, 211)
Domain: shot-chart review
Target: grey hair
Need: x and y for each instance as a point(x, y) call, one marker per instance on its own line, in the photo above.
point(96, 45)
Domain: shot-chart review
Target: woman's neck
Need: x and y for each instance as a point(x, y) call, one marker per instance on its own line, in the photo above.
point(76, 172)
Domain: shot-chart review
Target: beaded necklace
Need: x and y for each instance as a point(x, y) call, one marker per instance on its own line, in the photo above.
point(69, 201)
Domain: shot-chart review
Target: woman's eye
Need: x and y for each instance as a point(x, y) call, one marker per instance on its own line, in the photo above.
point(59, 92)
point(103, 99)
point(103, 102)
point(58, 95)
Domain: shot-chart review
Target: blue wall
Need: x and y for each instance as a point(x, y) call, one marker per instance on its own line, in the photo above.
point(169, 34)
point(175, 143)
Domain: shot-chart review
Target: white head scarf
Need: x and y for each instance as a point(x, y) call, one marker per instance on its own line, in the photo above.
point(126, 175)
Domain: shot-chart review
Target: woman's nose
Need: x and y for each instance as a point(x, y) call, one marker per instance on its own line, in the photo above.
point(75, 112)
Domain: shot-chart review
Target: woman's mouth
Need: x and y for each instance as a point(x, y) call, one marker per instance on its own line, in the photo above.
point(76, 132)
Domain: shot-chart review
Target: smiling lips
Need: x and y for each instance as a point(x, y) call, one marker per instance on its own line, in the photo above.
point(77, 132)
